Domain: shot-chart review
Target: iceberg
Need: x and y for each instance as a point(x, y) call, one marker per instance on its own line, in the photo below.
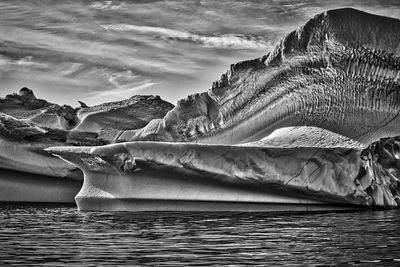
point(312, 125)
point(272, 174)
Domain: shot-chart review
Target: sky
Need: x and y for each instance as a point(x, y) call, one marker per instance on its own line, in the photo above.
point(102, 51)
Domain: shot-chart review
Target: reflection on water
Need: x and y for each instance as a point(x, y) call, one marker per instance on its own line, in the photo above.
point(56, 235)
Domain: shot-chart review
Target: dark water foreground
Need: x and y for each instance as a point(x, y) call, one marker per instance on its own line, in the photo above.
point(54, 235)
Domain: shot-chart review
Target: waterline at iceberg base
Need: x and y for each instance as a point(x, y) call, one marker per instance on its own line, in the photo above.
point(143, 176)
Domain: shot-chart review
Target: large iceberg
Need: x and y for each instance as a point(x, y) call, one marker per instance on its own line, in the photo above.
point(311, 125)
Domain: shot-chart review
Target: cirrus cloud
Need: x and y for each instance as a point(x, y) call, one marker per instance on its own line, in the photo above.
point(231, 41)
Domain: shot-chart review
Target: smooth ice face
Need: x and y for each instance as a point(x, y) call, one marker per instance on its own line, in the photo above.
point(340, 71)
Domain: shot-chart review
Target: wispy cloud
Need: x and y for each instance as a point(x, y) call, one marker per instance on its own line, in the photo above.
point(104, 50)
point(232, 41)
point(108, 5)
point(122, 85)
point(27, 62)
point(119, 93)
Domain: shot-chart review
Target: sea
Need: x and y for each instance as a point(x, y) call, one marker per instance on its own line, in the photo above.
point(40, 235)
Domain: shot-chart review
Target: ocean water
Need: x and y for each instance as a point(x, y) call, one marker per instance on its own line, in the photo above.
point(57, 235)
point(98, 51)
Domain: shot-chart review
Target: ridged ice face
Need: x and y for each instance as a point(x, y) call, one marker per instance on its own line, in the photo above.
point(340, 71)
point(355, 94)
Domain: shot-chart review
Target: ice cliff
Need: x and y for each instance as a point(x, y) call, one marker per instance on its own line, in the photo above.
point(339, 71)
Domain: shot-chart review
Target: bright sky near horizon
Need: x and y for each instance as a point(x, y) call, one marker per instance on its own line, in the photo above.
point(101, 51)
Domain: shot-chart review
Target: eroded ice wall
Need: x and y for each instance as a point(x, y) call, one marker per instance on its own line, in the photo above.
point(332, 171)
point(340, 71)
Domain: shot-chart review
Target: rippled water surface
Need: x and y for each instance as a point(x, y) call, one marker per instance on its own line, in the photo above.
point(53, 235)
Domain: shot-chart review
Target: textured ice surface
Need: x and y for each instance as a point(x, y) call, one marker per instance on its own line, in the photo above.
point(334, 82)
point(340, 71)
point(325, 173)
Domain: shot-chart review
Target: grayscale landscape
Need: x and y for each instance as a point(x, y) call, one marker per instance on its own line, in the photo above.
point(180, 133)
